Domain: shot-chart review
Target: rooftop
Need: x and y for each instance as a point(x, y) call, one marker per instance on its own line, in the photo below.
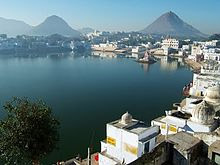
point(183, 141)
point(135, 126)
point(181, 115)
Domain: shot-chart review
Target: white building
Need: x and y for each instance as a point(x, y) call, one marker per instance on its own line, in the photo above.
point(170, 43)
point(148, 45)
point(186, 47)
point(181, 52)
point(96, 33)
point(166, 51)
point(127, 140)
point(106, 47)
point(212, 43)
point(138, 49)
point(209, 76)
point(212, 56)
point(196, 50)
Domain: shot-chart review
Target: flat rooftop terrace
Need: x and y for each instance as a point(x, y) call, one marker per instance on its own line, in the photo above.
point(135, 126)
point(183, 141)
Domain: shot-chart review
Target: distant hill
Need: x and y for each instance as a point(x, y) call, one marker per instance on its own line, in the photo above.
point(13, 27)
point(170, 24)
point(54, 25)
point(86, 30)
point(214, 37)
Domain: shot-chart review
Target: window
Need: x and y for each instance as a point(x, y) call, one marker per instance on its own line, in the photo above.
point(216, 158)
point(146, 147)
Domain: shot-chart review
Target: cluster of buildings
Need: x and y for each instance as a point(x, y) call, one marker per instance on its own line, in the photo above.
point(134, 44)
point(193, 50)
point(30, 44)
point(208, 50)
point(120, 42)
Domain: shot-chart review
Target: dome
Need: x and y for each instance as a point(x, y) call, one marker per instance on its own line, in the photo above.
point(126, 118)
point(212, 94)
point(203, 113)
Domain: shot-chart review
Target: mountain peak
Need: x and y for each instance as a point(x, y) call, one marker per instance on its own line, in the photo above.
point(54, 19)
point(171, 24)
point(170, 14)
point(55, 25)
point(53, 16)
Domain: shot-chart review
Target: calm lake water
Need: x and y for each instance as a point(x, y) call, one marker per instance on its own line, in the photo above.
point(86, 92)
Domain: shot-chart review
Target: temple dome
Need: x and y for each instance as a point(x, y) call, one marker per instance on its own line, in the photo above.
point(126, 118)
point(203, 113)
point(212, 94)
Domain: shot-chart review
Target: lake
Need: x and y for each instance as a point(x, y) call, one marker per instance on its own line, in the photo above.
point(86, 92)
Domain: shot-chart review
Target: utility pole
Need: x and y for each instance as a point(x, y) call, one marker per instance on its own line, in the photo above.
point(88, 158)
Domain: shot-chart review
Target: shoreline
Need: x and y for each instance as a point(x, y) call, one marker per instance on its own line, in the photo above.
point(196, 66)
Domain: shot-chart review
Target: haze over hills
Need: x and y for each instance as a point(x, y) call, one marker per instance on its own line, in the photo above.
point(170, 24)
point(13, 27)
point(167, 24)
point(86, 30)
point(52, 25)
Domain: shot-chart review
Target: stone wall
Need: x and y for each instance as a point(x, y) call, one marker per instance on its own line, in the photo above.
point(159, 155)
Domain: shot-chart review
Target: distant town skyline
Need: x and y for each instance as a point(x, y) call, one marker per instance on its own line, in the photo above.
point(114, 15)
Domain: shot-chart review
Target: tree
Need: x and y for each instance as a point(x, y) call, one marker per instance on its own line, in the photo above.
point(28, 132)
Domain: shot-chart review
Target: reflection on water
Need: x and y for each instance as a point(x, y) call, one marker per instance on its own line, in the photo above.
point(170, 63)
point(145, 67)
point(104, 54)
point(68, 55)
point(167, 63)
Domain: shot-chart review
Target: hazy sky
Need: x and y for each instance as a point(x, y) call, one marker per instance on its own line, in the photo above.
point(115, 15)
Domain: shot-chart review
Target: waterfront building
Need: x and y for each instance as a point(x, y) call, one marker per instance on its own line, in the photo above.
point(127, 139)
point(7, 45)
point(170, 43)
point(106, 47)
point(166, 51)
point(196, 53)
point(181, 53)
point(209, 76)
point(138, 49)
point(186, 47)
point(157, 51)
point(185, 50)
